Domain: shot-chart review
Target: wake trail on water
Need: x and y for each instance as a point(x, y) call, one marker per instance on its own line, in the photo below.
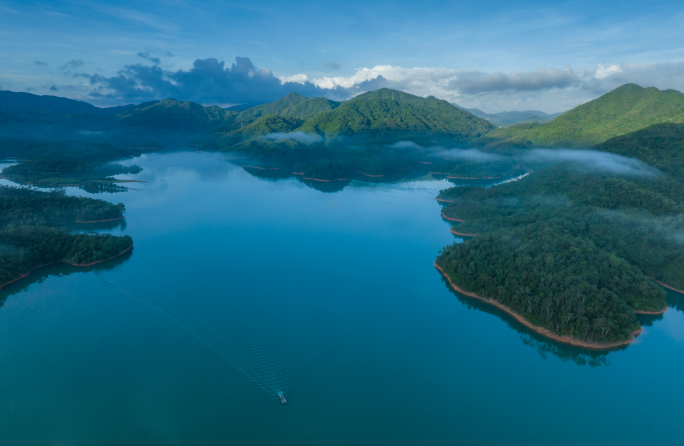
point(250, 326)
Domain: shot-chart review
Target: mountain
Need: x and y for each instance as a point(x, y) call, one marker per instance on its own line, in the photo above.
point(626, 109)
point(508, 118)
point(272, 108)
point(660, 145)
point(174, 114)
point(27, 104)
point(394, 114)
point(310, 108)
point(262, 126)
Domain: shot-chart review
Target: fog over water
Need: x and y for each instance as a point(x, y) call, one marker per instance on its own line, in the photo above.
point(382, 351)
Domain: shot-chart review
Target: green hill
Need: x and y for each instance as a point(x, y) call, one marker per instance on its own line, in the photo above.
point(28, 104)
point(311, 107)
point(262, 126)
point(173, 114)
point(660, 145)
point(623, 110)
point(391, 114)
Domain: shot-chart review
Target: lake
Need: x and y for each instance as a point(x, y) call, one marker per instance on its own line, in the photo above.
point(238, 285)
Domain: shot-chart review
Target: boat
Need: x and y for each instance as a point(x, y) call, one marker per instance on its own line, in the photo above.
point(282, 398)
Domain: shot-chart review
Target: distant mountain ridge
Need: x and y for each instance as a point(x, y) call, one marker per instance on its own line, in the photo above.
point(508, 118)
point(386, 110)
point(626, 109)
point(28, 104)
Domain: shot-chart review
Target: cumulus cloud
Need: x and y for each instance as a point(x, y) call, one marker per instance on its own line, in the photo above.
point(146, 56)
point(209, 81)
point(541, 79)
point(592, 160)
point(72, 64)
point(548, 89)
point(296, 136)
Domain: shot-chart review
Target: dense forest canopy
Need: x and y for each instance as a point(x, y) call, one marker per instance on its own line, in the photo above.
point(626, 109)
point(31, 236)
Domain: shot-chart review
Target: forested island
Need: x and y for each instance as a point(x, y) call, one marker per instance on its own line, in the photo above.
point(573, 243)
point(32, 233)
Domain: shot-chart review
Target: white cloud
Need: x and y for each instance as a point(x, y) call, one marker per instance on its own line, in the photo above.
point(547, 89)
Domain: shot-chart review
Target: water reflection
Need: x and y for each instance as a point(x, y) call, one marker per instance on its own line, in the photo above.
point(61, 269)
point(530, 338)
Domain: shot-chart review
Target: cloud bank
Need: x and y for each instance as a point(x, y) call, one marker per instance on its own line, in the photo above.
point(209, 81)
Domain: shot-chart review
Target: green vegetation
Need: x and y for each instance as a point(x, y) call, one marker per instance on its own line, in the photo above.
point(623, 110)
point(66, 163)
point(173, 115)
point(30, 235)
point(388, 115)
point(660, 145)
point(571, 251)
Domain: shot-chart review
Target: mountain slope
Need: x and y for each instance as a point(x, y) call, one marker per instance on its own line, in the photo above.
point(390, 113)
point(311, 107)
point(27, 104)
point(660, 145)
point(508, 118)
point(262, 126)
point(173, 114)
point(272, 108)
point(626, 109)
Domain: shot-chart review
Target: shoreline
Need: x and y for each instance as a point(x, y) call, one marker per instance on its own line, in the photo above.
point(442, 200)
point(666, 286)
point(369, 175)
point(542, 331)
point(451, 219)
point(99, 221)
point(25, 275)
point(460, 233)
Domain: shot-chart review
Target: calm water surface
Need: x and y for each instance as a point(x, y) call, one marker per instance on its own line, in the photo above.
point(382, 352)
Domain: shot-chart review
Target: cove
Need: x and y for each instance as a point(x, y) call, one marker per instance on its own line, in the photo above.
point(383, 351)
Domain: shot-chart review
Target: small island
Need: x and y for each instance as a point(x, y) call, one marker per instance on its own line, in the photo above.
point(32, 233)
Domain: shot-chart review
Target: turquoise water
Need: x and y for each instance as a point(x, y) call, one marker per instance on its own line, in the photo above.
point(382, 352)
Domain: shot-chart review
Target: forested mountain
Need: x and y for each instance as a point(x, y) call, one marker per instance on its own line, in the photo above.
point(308, 109)
point(390, 114)
point(173, 115)
point(30, 235)
point(262, 126)
point(509, 118)
point(626, 109)
point(570, 251)
point(660, 145)
point(27, 104)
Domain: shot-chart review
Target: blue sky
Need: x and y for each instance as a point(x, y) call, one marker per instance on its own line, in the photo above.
point(494, 55)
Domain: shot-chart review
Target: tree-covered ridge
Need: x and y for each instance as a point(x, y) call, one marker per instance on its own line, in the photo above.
point(390, 115)
point(263, 126)
point(272, 108)
point(626, 109)
point(30, 235)
point(660, 145)
point(174, 115)
point(561, 282)
point(305, 110)
point(66, 163)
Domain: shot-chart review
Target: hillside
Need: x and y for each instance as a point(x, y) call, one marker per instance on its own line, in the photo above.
point(509, 118)
point(311, 107)
point(626, 109)
point(262, 126)
point(173, 114)
point(660, 145)
point(377, 113)
point(27, 104)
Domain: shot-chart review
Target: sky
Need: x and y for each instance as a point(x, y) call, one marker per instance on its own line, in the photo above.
point(492, 55)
